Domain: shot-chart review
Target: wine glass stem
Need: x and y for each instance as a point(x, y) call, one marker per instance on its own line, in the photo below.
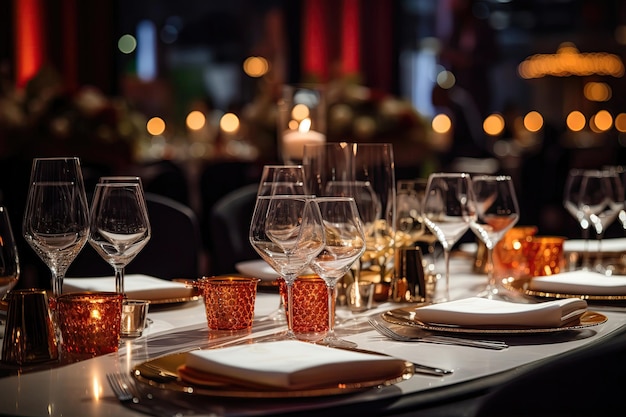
point(57, 284)
point(331, 288)
point(490, 275)
point(289, 283)
point(446, 257)
point(586, 261)
point(119, 280)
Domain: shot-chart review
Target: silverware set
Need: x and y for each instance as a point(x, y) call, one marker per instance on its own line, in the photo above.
point(428, 338)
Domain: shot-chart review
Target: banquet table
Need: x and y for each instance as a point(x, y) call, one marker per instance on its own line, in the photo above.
point(81, 388)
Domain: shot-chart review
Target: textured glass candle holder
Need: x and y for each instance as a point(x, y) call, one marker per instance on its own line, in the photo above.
point(229, 301)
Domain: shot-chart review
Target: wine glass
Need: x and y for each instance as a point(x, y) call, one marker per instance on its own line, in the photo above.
point(449, 208)
point(281, 180)
point(345, 243)
point(497, 211)
point(56, 219)
point(364, 171)
point(287, 232)
point(601, 199)
point(120, 227)
point(571, 198)
point(9, 260)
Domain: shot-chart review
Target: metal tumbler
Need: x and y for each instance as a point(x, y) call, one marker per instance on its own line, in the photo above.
point(409, 282)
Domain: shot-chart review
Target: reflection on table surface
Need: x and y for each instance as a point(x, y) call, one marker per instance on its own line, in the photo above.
point(81, 388)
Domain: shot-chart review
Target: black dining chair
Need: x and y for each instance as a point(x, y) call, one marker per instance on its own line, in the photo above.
point(174, 249)
point(229, 225)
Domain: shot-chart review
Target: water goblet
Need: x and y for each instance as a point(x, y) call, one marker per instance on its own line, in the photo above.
point(345, 243)
point(449, 208)
point(56, 219)
point(120, 227)
point(571, 202)
point(497, 211)
point(287, 232)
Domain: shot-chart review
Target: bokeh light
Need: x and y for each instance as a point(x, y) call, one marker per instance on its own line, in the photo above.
point(493, 124)
point(533, 121)
point(229, 123)
point(441, 123)
point(195, 120)
point(255, 66)
point(576, 121)
point(155, 126)
point(127, 44)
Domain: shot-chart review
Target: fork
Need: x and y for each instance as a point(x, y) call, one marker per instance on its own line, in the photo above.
point(388, 332)
point(130, 395)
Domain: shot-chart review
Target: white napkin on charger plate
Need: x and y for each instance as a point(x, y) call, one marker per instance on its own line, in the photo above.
point(608, 245)
point(580, 282)
point(481, 312)
point(137, 286)
point(289, 364)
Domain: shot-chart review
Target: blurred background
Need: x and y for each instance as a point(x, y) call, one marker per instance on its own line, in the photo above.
point(183, 93)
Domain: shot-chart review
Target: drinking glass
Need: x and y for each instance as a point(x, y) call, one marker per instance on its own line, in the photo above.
point(571, 202)
point(601, 199)
point(497, 211)
point(281, 180)
point(56, 219)
point(449, 208)
point(345, 243)
point(410, 227)
point(9, 260)
point(365, 172)
point(120, 227)
point(287, 232)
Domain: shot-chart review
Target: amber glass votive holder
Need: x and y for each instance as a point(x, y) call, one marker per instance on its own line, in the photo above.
point(546, 255)
point(511, 253)
point(229, 301)
point(310, 306)
point(90, 322)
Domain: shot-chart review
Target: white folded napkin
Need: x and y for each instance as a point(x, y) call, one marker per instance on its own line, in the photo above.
point(607, 245)
point(291, 364)
point(580, 282)
point(479, 312)
point(138, 286)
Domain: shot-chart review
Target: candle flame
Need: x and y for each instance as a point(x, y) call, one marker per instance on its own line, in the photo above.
point(305, 125)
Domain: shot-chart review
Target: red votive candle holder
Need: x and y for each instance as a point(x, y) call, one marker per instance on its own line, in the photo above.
point(310, 306)
point(229, 301)
point(90, 322)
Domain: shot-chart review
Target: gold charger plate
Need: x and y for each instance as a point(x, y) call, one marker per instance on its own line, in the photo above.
point(521, 286)
point(587, 319)
point(163, 373)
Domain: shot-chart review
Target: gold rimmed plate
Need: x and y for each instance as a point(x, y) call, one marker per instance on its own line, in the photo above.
point(521, 285)
point(587, 319)
point(163, 373)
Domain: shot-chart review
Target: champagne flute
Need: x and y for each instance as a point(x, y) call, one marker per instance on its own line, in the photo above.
point(497, 212)
point(449, 208)
point(366, 170)
point(9, 260)
point(345, 243)
point(120, 227)
point(56, 219)
point(287, 232)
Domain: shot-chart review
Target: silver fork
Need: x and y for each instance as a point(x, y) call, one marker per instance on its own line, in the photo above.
point(130, 395)
point(446, 340)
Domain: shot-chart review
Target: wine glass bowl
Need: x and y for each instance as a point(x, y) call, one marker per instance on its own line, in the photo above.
point(345, 244)
point(56, 218)
point(120, 227)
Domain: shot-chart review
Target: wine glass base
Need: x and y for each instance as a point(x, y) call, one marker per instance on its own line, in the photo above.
point(335, 342)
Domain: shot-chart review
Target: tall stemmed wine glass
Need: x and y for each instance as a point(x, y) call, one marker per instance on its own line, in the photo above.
point(571, 202)
point(364, 171)
point(281, 180)
point(449, 208)
point(345, 243)
point(56, 219)
point(601, 199)
point(287, 232)
point(497, 211)
point(9, 259)
point(120, 226)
